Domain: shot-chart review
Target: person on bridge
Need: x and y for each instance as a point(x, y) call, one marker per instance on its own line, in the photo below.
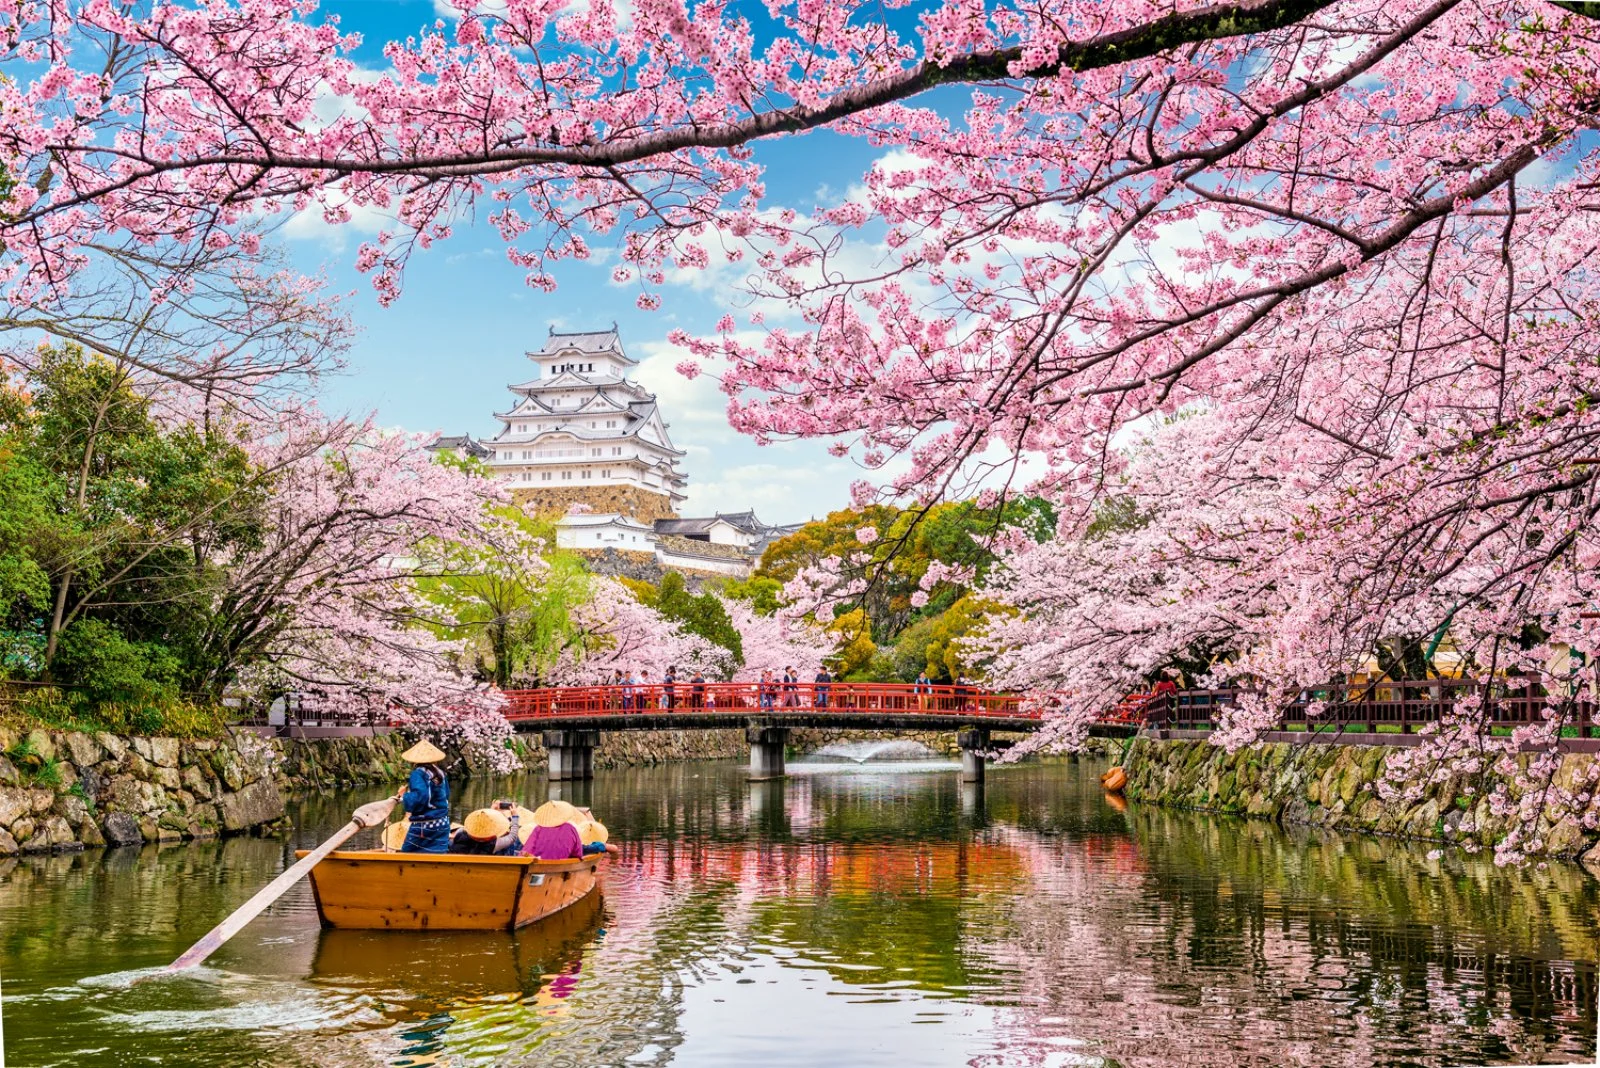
point(628, 685)
point(769, 690)
point(923, 688)
point(646, 695)
point(791, 688)
point(669, 696)
point(426, 801)
point(614, 699)
point(697, 690)
point(820, 694)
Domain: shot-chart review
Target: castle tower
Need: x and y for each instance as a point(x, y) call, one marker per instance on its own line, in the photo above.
point(582, 432)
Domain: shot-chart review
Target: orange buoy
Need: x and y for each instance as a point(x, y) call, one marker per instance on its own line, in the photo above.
point(1114, 780)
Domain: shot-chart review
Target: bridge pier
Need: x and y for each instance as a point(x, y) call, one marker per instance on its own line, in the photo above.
point(972, 741)
point(766, 751)
point(972, 806)
point(571, 754)
point(767, 811)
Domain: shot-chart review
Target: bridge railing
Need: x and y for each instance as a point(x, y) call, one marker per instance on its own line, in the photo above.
point(1389, 706)
point(563, 702)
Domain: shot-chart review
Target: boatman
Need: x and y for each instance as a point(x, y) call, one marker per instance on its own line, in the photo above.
point(427, 801)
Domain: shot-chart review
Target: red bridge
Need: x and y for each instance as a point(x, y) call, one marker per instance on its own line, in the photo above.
point(573, 716)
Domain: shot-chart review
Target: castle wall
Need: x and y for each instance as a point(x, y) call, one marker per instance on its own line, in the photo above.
point(554, 501)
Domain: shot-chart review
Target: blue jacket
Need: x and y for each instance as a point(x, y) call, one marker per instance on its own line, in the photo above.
point(427, 802)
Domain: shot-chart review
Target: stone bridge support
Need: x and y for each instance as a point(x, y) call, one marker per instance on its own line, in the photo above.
point(766, 751)
point(973, 741)
point(571, 754)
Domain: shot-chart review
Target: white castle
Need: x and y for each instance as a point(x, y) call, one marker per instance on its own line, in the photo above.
point(582, 423)
point(584, 442)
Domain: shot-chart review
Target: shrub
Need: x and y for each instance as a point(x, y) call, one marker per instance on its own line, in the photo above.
point(104, 666)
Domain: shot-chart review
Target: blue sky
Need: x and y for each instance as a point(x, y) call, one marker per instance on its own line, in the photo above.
point(441, 356)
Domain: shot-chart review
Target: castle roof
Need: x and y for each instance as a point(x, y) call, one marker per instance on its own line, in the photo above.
point(463, 442)
point(596, 341)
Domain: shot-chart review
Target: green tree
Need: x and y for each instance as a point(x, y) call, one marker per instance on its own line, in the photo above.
point(765, 594)
point(512, 593)
point(908, 542)
point(139, 513)
point(854, 656)
point(25, 518)
point(703, 615)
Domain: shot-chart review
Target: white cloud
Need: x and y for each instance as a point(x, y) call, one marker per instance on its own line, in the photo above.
point(447, 10)
point(790, 492)
point(309, 223)
point(697, 408)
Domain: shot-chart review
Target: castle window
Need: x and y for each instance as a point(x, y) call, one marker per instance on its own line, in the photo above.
point(526, 477)
point(616, 450)
point(545, 477)
point(587, 472)
point(592, 424)
point(522, 428)
point(566, 476)
point(594, 452)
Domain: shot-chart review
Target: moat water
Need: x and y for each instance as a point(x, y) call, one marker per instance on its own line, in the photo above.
point(869, 917)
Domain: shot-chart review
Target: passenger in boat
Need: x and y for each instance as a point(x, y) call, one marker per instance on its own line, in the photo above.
point(426, 801)
point(555, 833)
point(487, 832)
point(595, 837)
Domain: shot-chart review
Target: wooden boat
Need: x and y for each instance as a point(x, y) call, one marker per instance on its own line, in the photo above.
point(432, 967)
point(374, 890)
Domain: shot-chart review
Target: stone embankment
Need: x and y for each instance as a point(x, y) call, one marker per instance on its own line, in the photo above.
point(1332, 786)
point(61, 792)
point(66, 791)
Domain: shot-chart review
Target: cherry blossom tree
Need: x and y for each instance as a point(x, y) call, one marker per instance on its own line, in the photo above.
point(1253, 565)
point(328, 604)
point(230, 321)
point(775, 642)
point(1356, 233)
point(618, 632)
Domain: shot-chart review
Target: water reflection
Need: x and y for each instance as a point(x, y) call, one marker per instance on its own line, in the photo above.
point(864, 919)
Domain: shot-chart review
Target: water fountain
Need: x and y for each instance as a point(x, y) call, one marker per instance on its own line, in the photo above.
point(896, 750)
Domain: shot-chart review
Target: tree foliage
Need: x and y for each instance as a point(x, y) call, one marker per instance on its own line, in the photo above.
point(508, 592)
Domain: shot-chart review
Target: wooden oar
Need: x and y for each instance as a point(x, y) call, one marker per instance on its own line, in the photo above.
point(369, 815)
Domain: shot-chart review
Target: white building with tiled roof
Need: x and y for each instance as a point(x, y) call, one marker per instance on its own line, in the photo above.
point(582, 424)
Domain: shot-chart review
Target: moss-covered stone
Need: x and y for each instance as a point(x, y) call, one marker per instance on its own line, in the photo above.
point(1332, 785)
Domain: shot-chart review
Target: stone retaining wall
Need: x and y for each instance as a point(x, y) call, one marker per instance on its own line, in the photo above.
point(69, 791)
point(1332, 786)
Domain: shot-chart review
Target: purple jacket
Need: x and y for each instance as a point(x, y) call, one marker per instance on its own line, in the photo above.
point(554, 843)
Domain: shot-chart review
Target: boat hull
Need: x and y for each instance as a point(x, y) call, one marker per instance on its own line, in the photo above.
point(373, 890)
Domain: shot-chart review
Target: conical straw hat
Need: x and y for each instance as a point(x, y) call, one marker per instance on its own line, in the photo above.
point(424, 752)
point(525, 823)
point(592, 831)
point(555, 813)
point(394, 835)
point(485, 823)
